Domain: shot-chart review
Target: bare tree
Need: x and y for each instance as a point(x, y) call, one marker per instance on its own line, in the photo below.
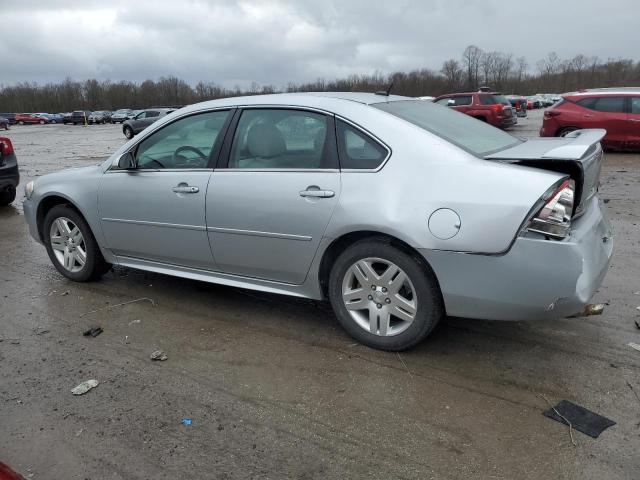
point(471, 62)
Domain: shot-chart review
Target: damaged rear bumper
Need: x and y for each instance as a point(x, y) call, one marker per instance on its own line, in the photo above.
point(535, 279)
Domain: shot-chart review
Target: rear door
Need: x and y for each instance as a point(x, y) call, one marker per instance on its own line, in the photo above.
point(633, 124)
point(270, 203)
point(608, 112)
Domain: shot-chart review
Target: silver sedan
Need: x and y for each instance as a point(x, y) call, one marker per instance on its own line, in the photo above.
point(398, 211)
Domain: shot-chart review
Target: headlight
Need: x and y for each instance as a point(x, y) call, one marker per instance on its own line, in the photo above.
point(28, 189)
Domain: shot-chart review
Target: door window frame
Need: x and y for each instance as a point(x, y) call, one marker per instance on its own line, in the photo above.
point(330, 147)
point(214, 156)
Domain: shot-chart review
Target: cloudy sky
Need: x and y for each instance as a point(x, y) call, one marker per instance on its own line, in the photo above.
point(275, 42)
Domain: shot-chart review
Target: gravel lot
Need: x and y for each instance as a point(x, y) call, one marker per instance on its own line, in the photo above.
point(276, 389)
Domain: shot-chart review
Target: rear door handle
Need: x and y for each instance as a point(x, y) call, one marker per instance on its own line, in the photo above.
point(314, 191)
point(185, 189)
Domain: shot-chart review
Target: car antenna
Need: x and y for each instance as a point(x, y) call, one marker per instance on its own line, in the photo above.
point(385, 92)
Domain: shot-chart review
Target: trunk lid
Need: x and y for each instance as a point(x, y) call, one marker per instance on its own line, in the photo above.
point(578, 155)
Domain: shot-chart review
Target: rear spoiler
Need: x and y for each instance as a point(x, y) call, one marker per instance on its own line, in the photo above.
point(582, 140)
point(573, 146)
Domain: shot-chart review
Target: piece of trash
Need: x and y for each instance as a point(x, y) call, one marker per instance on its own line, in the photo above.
point(637, 324)
point(66, 292)
point(159, 355)
point(580, 418)
point(186, 421)
point(606, 200)
point(93, 332)
point(40, 330)
point(84, 387)
point(634, 345)
point(109, 307)
point(126, 339)
point(134, 321)
point(590, 309)
point(636, 293)
point(79, 432)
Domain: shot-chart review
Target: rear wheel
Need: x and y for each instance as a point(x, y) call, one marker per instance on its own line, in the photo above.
point(7, 196)
point(565, 131)
point(383, 296)
point(41, 122)
point(71, 246)
point(128, 132)
point(21, 122)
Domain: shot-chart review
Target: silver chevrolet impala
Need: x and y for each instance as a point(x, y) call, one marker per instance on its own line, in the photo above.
point(399, 211)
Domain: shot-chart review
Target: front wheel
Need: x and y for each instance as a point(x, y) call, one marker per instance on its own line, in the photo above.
point(128, 132)
point(565, 131)
point(71, 246)
point(383, 296)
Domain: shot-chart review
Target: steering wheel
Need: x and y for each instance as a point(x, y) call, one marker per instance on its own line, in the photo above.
point(185, 148)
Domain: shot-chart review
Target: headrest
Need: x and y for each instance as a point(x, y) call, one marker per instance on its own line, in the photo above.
point(265, 140)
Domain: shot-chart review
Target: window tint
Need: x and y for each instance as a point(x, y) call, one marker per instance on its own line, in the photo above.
point(493, 99)
point(152, 113)
point(358, 150)
point(141, 115)
point(457, 101)
point(278, 138)
point(635, 104)
point(477, 138)
point(185, 143)
point(603, 104)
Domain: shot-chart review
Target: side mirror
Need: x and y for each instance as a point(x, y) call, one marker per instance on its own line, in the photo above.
point(126, 161)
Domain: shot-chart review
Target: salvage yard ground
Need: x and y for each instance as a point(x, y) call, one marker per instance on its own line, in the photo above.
point(275, 389)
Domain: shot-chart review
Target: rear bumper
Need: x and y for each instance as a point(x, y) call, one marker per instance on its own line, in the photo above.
point(535, 279)
point(9, 175)
point(509, 121)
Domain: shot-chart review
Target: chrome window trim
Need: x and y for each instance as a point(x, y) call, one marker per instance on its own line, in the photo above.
point(370, 135)
point(266, 170)
point(138, 171)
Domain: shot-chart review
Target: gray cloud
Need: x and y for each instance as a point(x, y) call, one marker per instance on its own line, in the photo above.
point(245, 41)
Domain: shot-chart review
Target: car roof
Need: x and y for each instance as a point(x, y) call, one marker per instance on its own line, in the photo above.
point(604, 91)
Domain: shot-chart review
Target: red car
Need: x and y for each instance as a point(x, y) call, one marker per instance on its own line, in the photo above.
point(24, 118)
point(491, 107)
point(617, 110)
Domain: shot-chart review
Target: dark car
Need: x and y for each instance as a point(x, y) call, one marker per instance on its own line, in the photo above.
point(617, 110)
point(28, 118)
point(4, 123)
point(77, 117)
point(120, 116)
point(9, 116)
point(142, 120)
point(100, 116)
point(52, 117)
point(490, 107)
point(9, 175)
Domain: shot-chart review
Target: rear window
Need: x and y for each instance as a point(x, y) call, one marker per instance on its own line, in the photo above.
point(474, 136)
point(603, 104)
point(493, 99)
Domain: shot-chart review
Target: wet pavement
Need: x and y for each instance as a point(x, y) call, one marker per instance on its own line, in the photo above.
point(274, 387)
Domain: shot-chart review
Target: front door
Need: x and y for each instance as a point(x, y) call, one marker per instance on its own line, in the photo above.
point(268, 209)
point(156, 211)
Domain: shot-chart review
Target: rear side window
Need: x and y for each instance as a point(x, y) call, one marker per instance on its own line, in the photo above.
point(357, 150)
point(455, 101)
point(603, 104)
point(493, 99)
point(635, 104)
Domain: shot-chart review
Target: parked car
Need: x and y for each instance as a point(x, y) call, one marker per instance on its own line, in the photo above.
point(100, 116)
point(616, 110)
point(274, 193)
point(519, 104)
point(119, 116)
point(490, 107)
point(9, 116)
point(9, 174)
point(77, 117)
point(28, 118)
point(142, 120)
point(133, 114)
point(52, 117)
point(534, 103)
point(4, 123)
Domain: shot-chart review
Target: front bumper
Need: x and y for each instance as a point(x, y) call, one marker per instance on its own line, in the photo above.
point(535, 279)
point(30, 218)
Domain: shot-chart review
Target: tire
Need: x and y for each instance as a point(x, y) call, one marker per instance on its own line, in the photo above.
point(7, 196)
point(94, 265)
point(128, 132)
point(419, 289)
point(565, 131)
point(41, 122)
point(20, 122)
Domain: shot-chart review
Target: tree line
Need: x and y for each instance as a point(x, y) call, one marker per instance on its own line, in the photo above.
point(476, 67)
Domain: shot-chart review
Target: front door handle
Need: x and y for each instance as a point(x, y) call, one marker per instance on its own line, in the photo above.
point(182, 188)
point(315, 192)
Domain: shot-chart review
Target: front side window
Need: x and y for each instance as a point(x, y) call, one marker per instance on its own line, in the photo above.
point(279, 138)
point(477, 138)
point(603, 104)
point(635, 104)
point(152, 113)
point(357, 150)
point(185, 143)
point(141, 115)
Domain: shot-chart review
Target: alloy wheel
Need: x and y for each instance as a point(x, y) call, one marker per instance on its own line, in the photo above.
point(68, 244)
point(379, 296)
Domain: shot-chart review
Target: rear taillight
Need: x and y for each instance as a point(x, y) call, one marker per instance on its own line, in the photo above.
point(551, 113)
point(496, 107)
point(554, 218)
point(6, 147)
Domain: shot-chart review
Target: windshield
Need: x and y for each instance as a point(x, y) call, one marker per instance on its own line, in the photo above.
point(474, 136)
